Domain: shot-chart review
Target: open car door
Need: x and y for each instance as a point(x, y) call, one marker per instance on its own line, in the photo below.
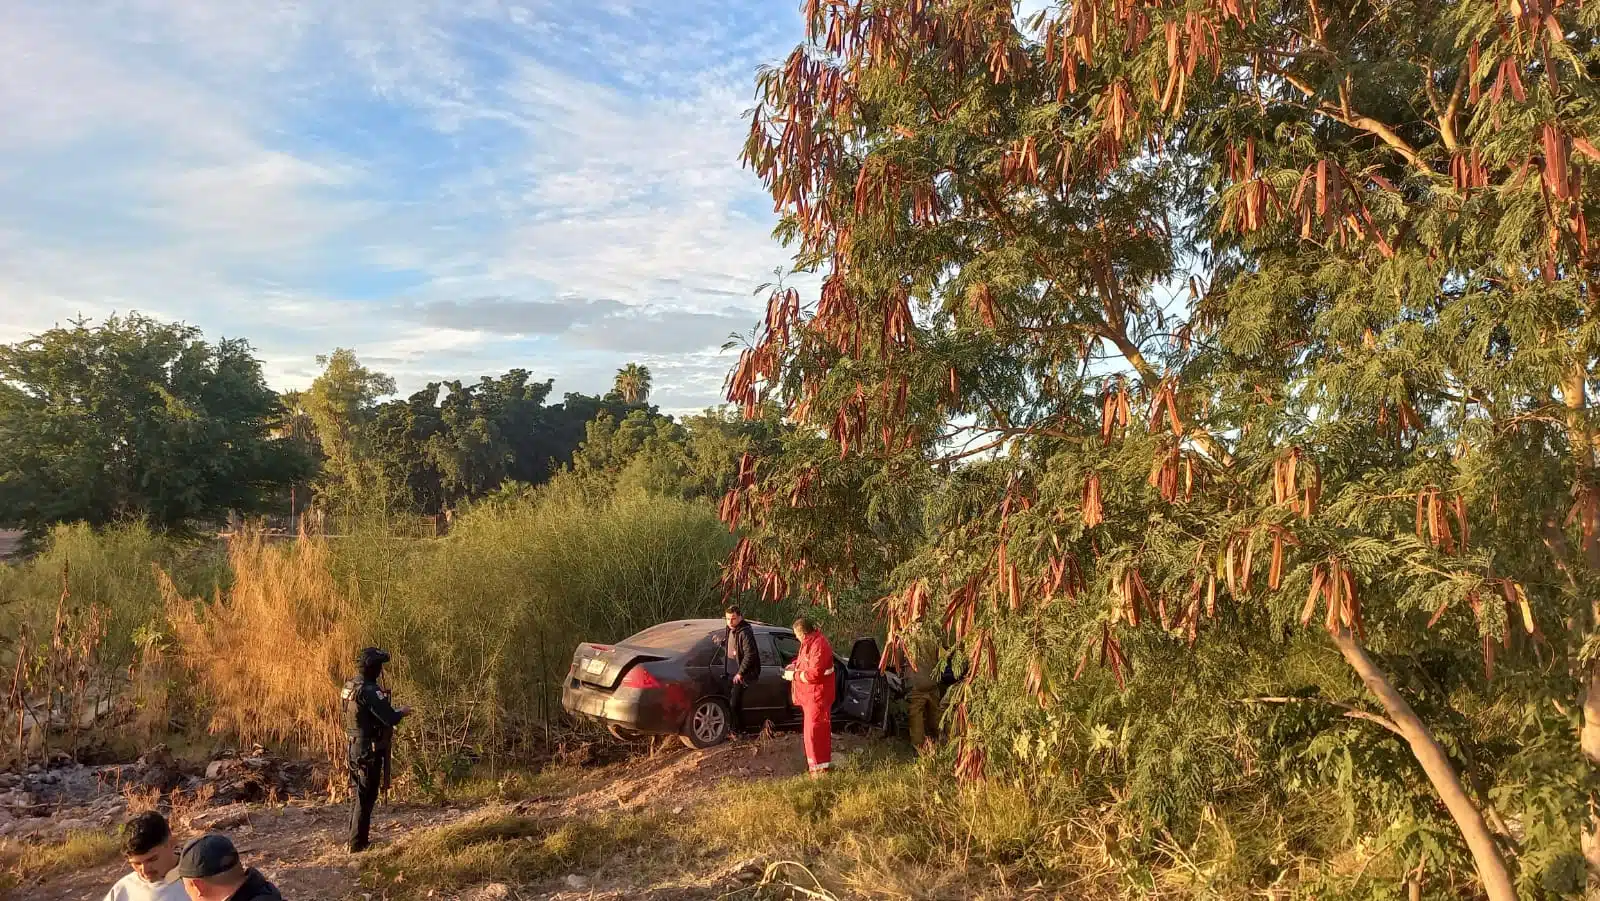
point(862, 691)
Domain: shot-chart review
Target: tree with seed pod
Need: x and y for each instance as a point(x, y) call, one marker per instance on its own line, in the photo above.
point(1378, 382)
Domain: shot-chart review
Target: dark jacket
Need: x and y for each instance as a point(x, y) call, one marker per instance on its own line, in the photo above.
point(739, 643)
point(369, 717)
point(255, 888)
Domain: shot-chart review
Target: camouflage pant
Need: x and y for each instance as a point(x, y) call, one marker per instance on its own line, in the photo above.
point(923, 710)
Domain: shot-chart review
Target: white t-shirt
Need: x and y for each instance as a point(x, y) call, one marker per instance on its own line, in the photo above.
point(132, 887)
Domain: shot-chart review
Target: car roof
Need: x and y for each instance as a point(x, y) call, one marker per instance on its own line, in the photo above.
point(719, 624)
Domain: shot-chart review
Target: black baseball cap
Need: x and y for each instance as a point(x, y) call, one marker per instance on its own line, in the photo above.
point(207, 856)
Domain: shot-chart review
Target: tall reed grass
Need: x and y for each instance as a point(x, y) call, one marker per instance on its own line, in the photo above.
point(114, 569)
point(267, 653)
point(483, 624)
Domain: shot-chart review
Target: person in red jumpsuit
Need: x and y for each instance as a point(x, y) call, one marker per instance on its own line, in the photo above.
point(813, 693)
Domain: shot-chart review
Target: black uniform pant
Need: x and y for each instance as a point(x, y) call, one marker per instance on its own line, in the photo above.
point(366, 780)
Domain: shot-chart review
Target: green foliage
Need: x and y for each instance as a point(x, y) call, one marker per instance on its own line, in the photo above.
point(448, 444)
point(1368, 417)
point(697, 458)
point(30, 863)
point(341, 404)
point(135, 419)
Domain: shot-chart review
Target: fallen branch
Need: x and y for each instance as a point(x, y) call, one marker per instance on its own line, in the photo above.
point(769, 879)
point(1349, 711)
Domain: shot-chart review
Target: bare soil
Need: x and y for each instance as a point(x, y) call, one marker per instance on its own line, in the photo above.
point(300, 846)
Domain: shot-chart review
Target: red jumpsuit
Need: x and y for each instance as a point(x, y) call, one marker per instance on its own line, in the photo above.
point(813, 694)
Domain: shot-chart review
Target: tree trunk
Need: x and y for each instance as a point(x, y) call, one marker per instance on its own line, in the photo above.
point(1591, 751)
point(1486, 854)
point(1574, 393)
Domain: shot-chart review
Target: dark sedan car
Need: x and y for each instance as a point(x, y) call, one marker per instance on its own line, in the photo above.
point(673, 679)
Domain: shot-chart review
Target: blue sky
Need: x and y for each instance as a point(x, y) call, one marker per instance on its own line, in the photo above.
point(450, 188)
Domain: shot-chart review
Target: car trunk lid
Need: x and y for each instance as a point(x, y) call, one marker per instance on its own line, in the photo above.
point(603, 666)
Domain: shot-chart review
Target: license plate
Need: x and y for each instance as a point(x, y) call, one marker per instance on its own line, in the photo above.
point(594, 666)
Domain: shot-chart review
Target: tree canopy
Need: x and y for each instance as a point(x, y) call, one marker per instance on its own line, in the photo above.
point(136, 419)
point(1237, 318)
point(454, 442)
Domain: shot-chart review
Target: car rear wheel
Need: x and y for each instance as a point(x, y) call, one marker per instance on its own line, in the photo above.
point(707, 725)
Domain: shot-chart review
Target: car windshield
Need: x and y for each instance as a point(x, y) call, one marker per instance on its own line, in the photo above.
point(668, 637)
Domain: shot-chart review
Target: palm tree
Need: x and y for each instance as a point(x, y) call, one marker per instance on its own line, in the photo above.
point(294, 422)
point(633, 383)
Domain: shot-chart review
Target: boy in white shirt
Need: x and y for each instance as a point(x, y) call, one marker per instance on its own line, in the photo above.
point(148, 845)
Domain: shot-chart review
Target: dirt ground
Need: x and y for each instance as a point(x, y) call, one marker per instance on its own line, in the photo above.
point(298, 846)
point(8, 543)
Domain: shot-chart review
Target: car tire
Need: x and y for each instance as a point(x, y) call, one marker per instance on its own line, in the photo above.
point(707, 725)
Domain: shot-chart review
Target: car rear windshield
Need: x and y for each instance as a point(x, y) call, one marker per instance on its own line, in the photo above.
point(669, 637)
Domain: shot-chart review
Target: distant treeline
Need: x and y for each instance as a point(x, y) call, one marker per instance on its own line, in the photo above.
point(135, 419)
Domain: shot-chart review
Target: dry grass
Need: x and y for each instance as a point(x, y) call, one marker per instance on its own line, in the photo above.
point(485, 786)
point(269, 653)
point(882, 826)
point(510, 849)
point(28, 863)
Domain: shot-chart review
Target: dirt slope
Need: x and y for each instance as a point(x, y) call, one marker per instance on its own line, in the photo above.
point(299, 846)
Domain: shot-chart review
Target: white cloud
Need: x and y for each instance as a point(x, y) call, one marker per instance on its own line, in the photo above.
point(307, 174)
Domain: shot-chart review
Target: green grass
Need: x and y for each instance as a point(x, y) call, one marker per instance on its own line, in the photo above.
point(27, 863)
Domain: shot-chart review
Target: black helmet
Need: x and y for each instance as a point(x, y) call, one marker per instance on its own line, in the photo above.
point(371, 657)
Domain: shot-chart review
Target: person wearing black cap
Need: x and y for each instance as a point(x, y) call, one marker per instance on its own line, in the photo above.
point(211, 871)
point(369, 721)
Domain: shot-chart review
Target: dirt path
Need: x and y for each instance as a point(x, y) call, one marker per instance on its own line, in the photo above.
point(299, 847)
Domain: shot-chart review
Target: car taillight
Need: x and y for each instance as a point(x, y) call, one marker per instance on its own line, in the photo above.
point(639, 677)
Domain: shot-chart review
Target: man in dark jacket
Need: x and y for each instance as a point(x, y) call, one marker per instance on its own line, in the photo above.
point(211, 871)
point(369, 722)
point(738, 644)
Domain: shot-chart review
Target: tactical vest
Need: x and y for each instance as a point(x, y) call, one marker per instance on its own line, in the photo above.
point(359, 722)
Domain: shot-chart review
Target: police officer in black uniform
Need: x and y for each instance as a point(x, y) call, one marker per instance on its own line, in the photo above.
point(369, 720)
